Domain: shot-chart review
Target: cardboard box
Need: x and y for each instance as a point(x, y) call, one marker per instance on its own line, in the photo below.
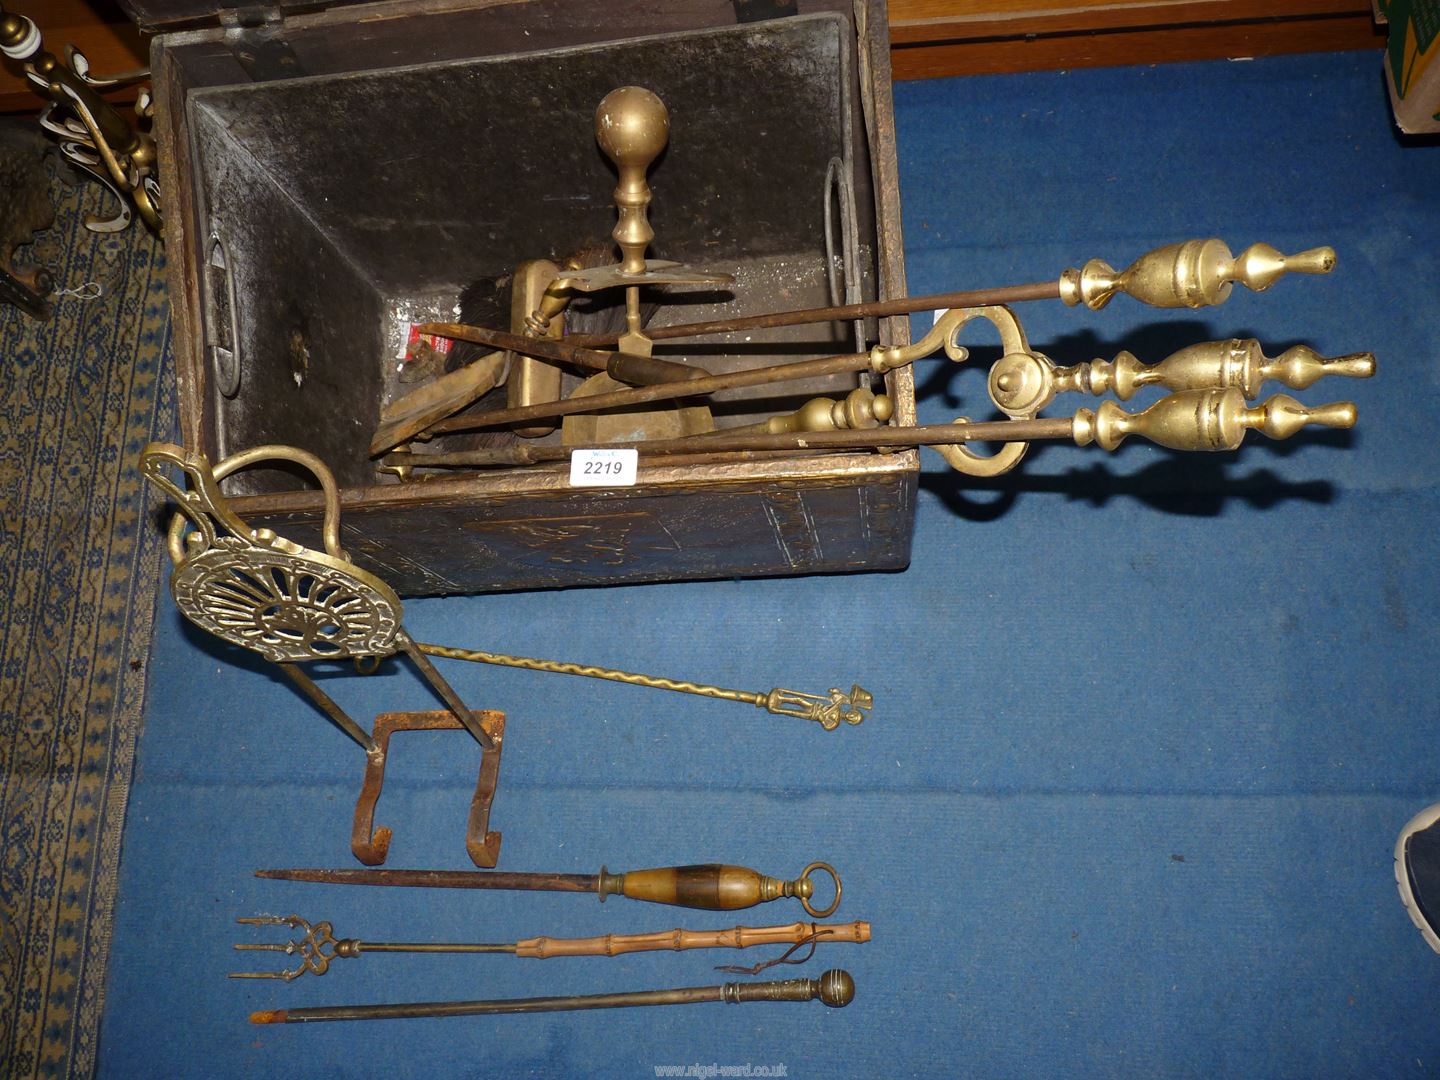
point(1412, 62)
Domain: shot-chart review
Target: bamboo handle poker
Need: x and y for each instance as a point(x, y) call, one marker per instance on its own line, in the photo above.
point(710, 887)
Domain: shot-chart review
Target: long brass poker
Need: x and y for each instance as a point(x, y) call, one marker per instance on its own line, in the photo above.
point(1191, 420)
point(1213, 271)
point(828, 711)
point(317, 946)
point(1195, 273)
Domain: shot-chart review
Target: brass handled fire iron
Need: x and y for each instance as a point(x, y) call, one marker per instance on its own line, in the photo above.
point(1207, 411)
point(835, 988)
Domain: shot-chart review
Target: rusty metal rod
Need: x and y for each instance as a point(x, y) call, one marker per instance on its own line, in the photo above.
point(667, 391)
point(1061, 427)
point(447, 693)
point(621, 366)
point(905, 305)
point(835, 988)
point(326, 704)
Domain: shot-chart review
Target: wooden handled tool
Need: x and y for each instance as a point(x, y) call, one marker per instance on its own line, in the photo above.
point(318, 945)
point(711, 887)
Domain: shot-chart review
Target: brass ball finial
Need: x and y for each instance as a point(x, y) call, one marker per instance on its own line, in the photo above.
point(632, 126)
point(837, 988)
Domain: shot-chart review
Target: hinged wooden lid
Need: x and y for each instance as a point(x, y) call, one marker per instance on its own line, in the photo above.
point(154, 15)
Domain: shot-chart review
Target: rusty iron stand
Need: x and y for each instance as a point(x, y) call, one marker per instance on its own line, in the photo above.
point(370, 843)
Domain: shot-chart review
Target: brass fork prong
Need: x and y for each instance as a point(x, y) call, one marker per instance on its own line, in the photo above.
point(315, 949)
point(272, 920)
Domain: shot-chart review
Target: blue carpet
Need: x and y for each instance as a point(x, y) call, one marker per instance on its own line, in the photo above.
point(80, 394)
point(1146, 725)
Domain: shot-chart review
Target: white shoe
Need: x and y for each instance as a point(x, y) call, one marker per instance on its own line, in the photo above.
point(1417, 872)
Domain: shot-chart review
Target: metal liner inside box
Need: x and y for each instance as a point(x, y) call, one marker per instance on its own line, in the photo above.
point(311, 219)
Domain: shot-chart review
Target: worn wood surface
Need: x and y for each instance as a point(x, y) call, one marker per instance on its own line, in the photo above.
point(98, 28)
point(928, 38)
point(931, 38)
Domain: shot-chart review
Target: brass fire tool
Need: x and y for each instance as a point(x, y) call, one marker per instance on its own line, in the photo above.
point(632, 127)
point(1210, 382)
point(318, 946)
point(709, 887)
point(835, 988)
point(827, 710)
point(1206, 411)
point(292, 604)
point(93, 136)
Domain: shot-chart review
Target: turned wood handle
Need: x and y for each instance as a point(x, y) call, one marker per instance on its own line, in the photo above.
point(711, 886)
point(738, 937)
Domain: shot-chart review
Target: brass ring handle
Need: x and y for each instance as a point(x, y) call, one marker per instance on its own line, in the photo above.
point(330, 530)
point(805, 896)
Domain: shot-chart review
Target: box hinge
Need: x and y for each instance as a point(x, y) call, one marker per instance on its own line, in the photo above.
point(256, 36)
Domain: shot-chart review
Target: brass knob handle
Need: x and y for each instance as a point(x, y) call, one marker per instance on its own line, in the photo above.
point(1192, 274)
point(1239, 362)
point(1205, 420)
point(632, 126)
point(836, 988)
point(19, 36)
point(861, 409)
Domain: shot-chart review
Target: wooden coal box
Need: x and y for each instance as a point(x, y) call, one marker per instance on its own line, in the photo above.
point(333, 177)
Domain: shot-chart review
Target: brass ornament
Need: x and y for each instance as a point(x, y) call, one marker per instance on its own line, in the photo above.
point(93, 135)
point(944, 336)
point(1206, 420)
point(632, 127)
point(1239, 362)
point(256, 589)
point(1192, 274)
point(291, 604)
point(860, 410)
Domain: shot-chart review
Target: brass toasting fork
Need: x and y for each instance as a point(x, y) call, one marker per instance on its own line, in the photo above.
point(318, 946)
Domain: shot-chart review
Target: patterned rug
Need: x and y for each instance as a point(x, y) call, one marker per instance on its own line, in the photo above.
point(79, 396)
